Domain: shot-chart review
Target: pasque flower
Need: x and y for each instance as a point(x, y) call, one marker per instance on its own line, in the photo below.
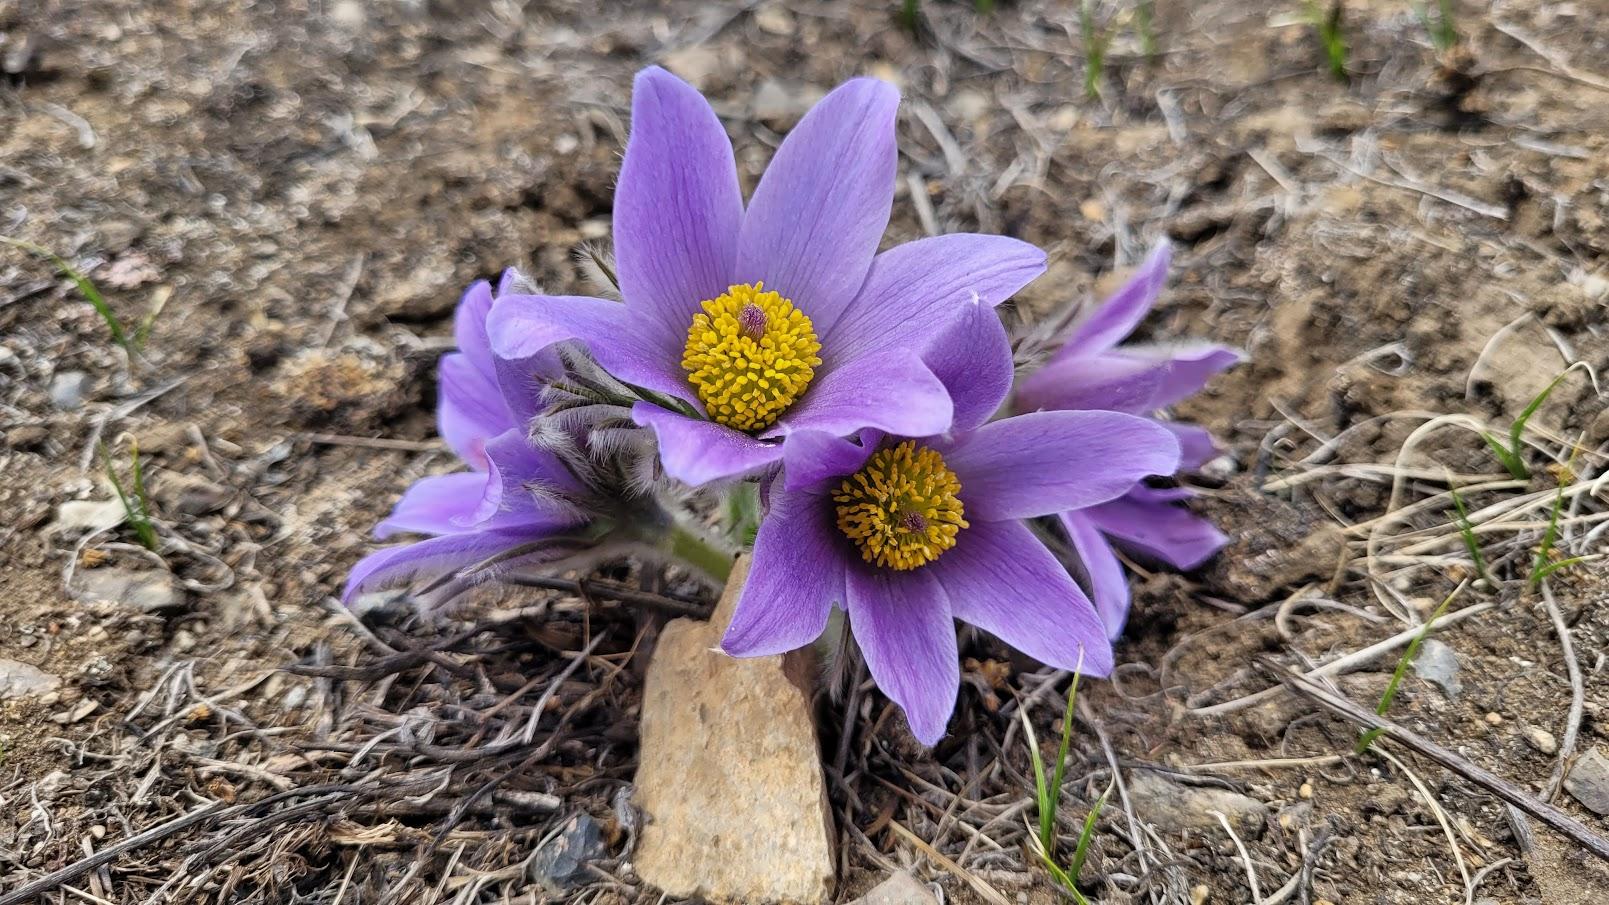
point(514, 500)
point(743, 328)
point(909, 533)
point(1091, 371)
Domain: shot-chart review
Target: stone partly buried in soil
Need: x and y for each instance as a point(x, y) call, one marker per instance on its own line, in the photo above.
point(149, 590)
point(18, 679)
point(1588, 781)
point(560, 864)
point(899, 889)
point(729, 782)
point(1176, 808)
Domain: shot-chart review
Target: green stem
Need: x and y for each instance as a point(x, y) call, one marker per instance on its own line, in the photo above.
point(700, 552)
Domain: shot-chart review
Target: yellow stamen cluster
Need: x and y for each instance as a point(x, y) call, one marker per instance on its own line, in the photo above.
point(749, 355)
point(902, 509)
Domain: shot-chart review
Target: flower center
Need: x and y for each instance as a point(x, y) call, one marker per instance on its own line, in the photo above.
point(901, 509)
point(750, 354)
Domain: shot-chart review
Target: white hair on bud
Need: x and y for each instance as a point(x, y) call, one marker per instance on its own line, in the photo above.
point(607, 442)
point(592, 417)
point(552, 498)
point(597, 263)
point(521, 283)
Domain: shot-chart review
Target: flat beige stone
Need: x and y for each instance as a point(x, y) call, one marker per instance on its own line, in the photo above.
point(729, 779)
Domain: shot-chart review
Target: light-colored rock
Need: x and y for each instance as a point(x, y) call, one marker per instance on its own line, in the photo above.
point(695, 64)
point(18, 679)
point(1438, 665)
point(148, 590)
point(729, 781)
point(1588, 781)
point(1175, 807)
point(781, 104)
point(1541, 739)
point(899, 889)
point(67, 390)
point(774, 20)
point(89, 515)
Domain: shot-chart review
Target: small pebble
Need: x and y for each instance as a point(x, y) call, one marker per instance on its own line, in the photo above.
point(67, 390)
point(774, 20)
point(1306, 791)
point(1494, 719)
point(1199, 894)
point(1542, 740)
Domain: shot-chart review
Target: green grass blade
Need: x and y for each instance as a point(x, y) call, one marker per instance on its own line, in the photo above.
point(742, 519)
point(1467, 531)
point(142, 332)
point(1094, 49)
point(136, 509)
point(1047, 828)
point(86, 288)
point(908, 13)
point(1042, 794)
point(1517, 429)
point(1552, 567)
point(1514, 463)
point(1145, 23)
point(1088, 832)
point(1446, 36)
point(1327, 28)
point(1403, 663)
point(1442, 32)
point(1539, 568)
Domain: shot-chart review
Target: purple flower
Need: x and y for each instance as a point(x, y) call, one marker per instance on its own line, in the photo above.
point(1091, 371)
point(514, 499)
point(908, 534)
point(745, 328)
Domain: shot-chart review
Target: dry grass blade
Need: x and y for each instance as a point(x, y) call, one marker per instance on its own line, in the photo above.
point(1556, 819)
point(987, 892)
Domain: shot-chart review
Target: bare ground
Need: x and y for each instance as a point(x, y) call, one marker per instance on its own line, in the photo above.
point(1408, 257)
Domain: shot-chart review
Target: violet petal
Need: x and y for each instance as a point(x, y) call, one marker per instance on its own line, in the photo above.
point(677, 209)
point(434, 505)
point(1118, 315)
point(901, 620)
point(1046, 462)
point(1000, 578)
point(525, 325)
point(820, 210)
point(796, 577)
point(1166, 531)
point(1108, 583)
point(695, 451)
point(892, 391)
point(914, 291)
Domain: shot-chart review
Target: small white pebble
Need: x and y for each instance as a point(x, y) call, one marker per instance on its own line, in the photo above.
point(1542, 740)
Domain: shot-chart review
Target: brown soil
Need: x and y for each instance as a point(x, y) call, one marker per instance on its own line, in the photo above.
point(303, 189)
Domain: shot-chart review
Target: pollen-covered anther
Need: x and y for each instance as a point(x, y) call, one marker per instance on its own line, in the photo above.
point(750, 354)
point(903, 508)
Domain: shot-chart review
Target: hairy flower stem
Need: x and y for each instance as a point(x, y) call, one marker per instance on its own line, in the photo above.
point(709, 557)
